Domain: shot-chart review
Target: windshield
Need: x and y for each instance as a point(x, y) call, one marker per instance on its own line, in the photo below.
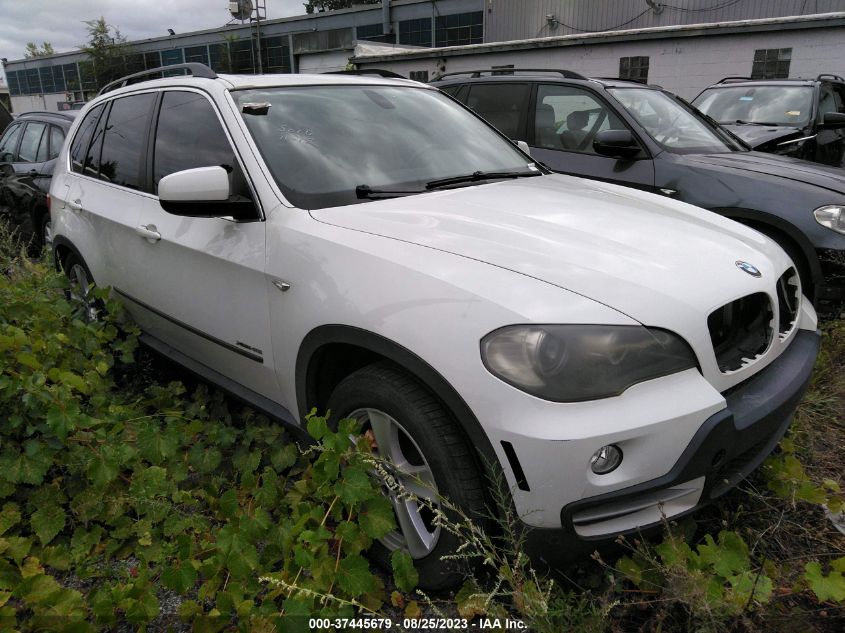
point(326, 144)
point(765, 105)
point(672, 126)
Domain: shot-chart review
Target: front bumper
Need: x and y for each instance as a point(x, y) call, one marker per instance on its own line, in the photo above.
point(726, 449)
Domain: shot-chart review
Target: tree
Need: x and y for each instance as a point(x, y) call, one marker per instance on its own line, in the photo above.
point(106, 49)
point(319, 6)
point(32, 50)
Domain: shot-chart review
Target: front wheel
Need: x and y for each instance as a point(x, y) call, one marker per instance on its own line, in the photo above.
point(427, 453)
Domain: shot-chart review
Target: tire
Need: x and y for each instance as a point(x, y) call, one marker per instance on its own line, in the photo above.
point(45, 231)
point(81, 285)
point(395, 400)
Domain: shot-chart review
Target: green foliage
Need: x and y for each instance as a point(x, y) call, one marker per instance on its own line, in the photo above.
point(33, 50)
point(124, 487)
point(106, 49)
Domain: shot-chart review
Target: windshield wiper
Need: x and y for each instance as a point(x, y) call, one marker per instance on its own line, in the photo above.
point(365, 192)
point(741, 122)
point(480, 175)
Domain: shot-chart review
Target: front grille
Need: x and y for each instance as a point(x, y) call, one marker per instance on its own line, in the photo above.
point(741, 331)
point(789, 298)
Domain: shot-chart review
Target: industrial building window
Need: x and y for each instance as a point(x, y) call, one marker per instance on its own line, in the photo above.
point(71, 74)
point(374, 33)
point(241, 55)
point(459, 29)
point(634, 68)
point(152, 60)
point(419, 75)
point(275, 54)
point(415, 32)
point(771, 63)
point(198, 54)
point(134, 63)
point(14, 83)
point(219, 58)
point(47, 80)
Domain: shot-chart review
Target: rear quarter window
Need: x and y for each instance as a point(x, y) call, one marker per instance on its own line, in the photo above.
point(82, 139)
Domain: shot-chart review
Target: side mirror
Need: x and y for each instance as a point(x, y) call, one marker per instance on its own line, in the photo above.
point(523, 146)
point(203, 192)
point(833, 120)
point(616, 144)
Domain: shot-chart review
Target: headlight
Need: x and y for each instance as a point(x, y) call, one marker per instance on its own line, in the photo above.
point(832, 216)
point(570, 363)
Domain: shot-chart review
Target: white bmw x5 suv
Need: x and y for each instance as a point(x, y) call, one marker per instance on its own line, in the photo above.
point(369, 246)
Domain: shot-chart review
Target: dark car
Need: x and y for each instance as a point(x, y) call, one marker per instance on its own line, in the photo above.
point(803, 118)
point(5, 117)
point(645, 137)
point(28, 151)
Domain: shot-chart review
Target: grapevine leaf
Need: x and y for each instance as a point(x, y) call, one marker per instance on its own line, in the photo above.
point(830, 587)
point(404, 573)
point(47, 522)
point(355, 577)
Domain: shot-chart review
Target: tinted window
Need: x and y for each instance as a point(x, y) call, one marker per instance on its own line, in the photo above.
point(568, 118)
point(189, 135)
point(44, 146)
point(9, 142)
point(83, 138)
point(92, 159)
point(502, 105)
point(29, 143)
point(57, 139)
point(451, 90)
point(122, 159)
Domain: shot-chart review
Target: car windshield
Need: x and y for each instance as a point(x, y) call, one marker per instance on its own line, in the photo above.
point(338, 145)
point(673, 126)
point(764, 105)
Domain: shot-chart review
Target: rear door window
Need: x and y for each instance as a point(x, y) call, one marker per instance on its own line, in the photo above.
point(9, 143)
point(79, 148)
point(30, 141)
point(503, 105)
point(57, 139)
point(122, 160)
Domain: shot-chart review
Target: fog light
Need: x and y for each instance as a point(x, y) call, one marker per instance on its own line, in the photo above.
point(606, 459)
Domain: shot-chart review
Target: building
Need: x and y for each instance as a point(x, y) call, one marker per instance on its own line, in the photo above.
point(317, 42)
point(683, 46)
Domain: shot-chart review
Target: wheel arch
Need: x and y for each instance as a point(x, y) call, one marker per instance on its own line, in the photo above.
point(331, 352)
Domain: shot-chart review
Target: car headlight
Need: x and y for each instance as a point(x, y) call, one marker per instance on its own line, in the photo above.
point(572, 363)
point(832, 216)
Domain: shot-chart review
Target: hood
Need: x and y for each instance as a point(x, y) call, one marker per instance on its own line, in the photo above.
point(759, 135)
point(659, 261)
point(771, 165)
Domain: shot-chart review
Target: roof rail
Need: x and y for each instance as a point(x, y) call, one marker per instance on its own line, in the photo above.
point(727, 80)
point(829, 76)
point(568, 74)
point(196, 69)
point(58, 113)
point(389, 74)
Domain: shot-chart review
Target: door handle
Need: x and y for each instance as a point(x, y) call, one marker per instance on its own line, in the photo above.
point(75, 205)
point(148, 232)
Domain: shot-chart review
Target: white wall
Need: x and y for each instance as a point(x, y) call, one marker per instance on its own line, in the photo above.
point(684, 66)
point(37, 103)
point(323, 62)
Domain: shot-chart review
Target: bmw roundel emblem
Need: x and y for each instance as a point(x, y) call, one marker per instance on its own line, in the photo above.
point(748, 268)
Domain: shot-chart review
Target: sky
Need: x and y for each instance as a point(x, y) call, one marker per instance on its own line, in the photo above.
point(62, 22)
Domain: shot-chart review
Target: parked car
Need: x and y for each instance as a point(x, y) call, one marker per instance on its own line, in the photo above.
point(28, 151)
point(645, 137)
point(367, 246)
point(5, 117)
point(802, 118)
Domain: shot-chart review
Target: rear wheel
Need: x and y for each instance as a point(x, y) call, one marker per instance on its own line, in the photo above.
point(428, 454)
point(80, 290)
